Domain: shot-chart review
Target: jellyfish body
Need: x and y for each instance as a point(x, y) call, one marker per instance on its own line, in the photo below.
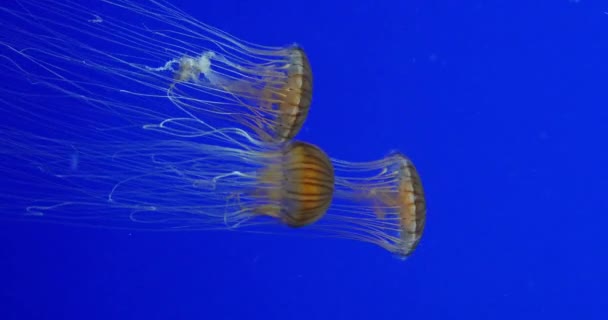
point(294, 98)
point(155, 56)
point(300, 188)
point(410, 204)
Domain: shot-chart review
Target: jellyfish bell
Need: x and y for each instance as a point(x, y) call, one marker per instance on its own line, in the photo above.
point(299, 187)
point(156, 61)
point(410, 205)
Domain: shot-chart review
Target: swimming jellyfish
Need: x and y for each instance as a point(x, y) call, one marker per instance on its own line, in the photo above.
point(381, 202)
point(163, 184)
point(116, 53)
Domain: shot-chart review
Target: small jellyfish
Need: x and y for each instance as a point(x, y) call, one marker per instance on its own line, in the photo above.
point(274, 98)
point(380, 202)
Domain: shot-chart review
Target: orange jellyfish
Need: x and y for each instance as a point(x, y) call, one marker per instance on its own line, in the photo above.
point(274, 102)
point(124, 178)
point(162, 64)
point(299, 188)
point(380, 202)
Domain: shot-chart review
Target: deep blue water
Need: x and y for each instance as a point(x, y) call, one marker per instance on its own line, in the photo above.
point(501, 105)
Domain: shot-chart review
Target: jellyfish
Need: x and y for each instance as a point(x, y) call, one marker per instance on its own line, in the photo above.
point(148, 53)
point(163, 183)
point(380, 202)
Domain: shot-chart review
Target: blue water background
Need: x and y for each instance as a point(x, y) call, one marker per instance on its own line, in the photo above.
point(500, 104)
